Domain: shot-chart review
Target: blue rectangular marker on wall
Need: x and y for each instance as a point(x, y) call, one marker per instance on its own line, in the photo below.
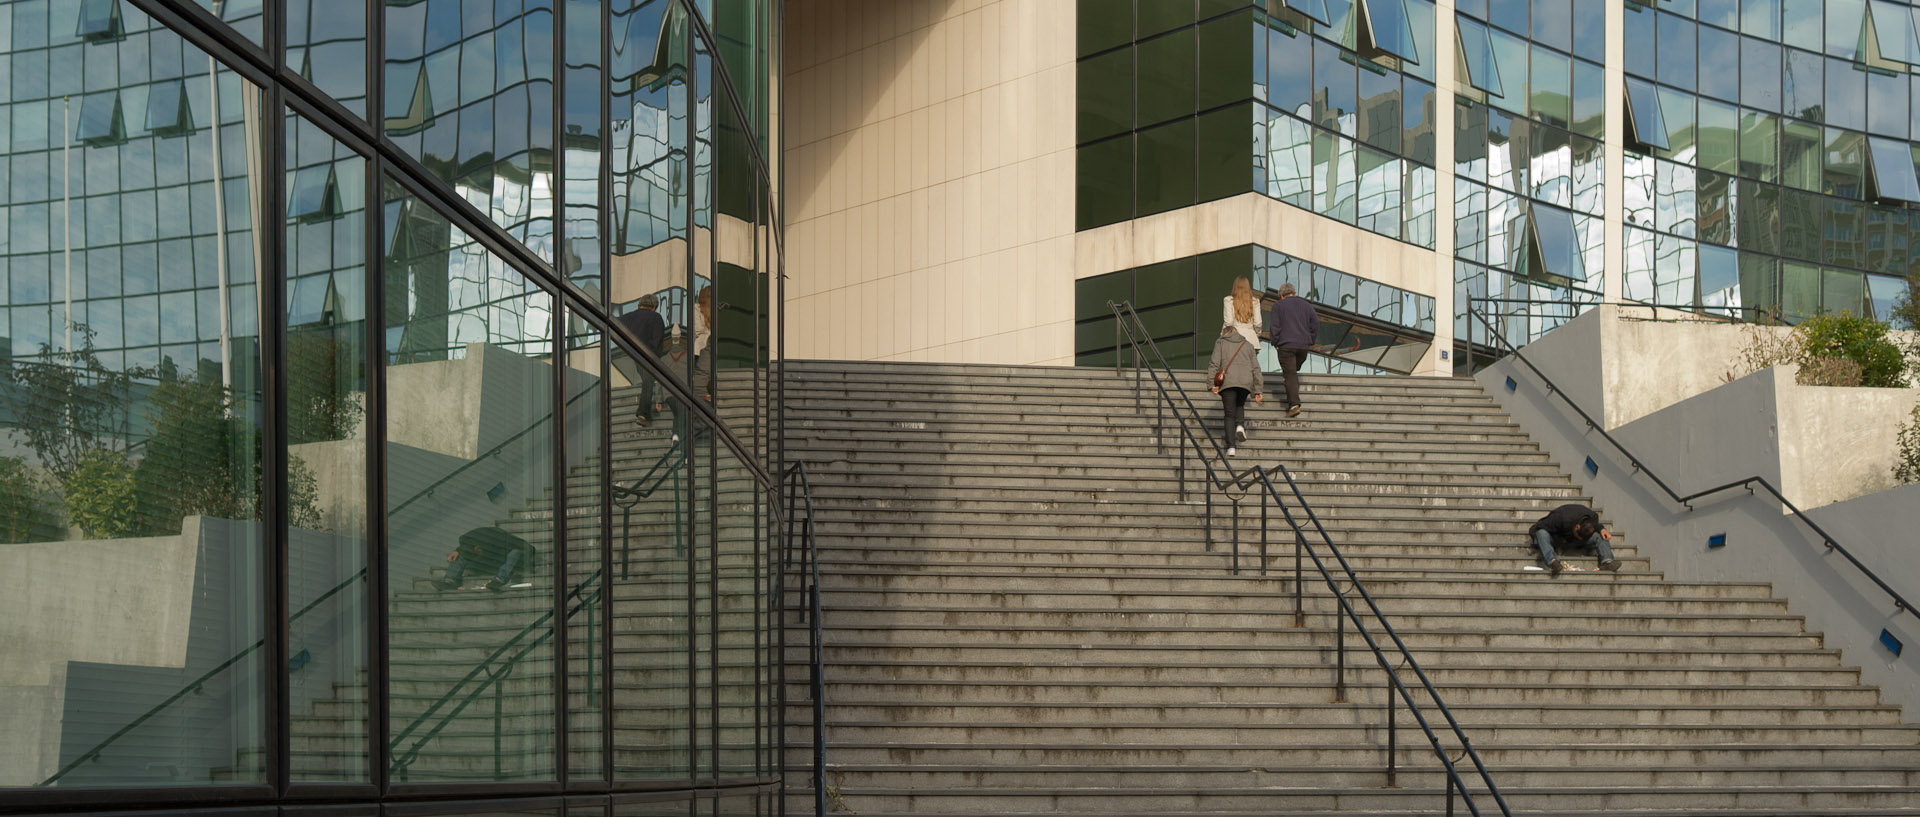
point(1891, 643)
point(1593, 468)
point(1718, 540)
point(1511, 386)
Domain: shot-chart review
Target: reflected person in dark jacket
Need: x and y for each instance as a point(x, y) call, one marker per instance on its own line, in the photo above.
point(647, 325)
point(488, 548)
point(1572, 524)
point(1293, 328)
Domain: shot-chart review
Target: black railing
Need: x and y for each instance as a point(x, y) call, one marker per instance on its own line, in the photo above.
point(1686, 500)
point(490, 673)
point(801, 541)
point(194, 686)
point(627, 496)
point(1172, 400)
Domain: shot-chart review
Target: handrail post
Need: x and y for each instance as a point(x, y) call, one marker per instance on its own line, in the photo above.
point(1263, 536)
point(1236, 535)
point(1208, 519)
point(626, 541)
point(1299, 612)
point(1392, 778)
point(1340, 652)
point(1449, 795)
point(1180, 474)
point(499, 705)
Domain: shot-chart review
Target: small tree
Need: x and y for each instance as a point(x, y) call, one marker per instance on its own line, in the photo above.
point(318, 407)
point(68, 404)
point(23, 516)
point(102, 498)
point(1861, 340)
point(1906, 463)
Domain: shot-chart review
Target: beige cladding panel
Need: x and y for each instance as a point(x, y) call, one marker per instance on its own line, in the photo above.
point(930, 180)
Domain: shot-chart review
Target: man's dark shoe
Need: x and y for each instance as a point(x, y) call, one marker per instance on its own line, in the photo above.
point(1611, 565)
point(1293, 410)
point(496, 585)
point(443, 584)
point(1556, 566)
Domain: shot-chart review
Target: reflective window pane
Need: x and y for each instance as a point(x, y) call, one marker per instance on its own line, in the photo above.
point(141, 663)
point(327, 44)
point(468, 530)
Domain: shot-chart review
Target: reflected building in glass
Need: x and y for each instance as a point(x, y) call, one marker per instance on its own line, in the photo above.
point(387, 404)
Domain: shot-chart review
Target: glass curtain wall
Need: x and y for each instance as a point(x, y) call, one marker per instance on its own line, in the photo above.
point(1529, 118)
point(386, 388)
point(1784, 188)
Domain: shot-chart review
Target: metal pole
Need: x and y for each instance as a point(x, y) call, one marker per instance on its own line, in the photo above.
point(1208, 519)
point(499, 682)
point(1299, 612)
point(1236, 536)
point(626, 541)
point(1391, 771)
point(1340, 652)
point(1263, 536)
point(1449, 794)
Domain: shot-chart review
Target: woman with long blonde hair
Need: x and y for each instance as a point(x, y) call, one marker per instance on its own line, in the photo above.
point(1241, 310)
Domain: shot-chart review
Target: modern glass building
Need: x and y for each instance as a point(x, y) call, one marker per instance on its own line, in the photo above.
point(342, 461)
point(1753, 158)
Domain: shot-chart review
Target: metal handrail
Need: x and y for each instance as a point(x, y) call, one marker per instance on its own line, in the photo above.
point(196, 684)
point(799, 516)
point(1900, 603)
point(494, 679)
point(627, 496)
point(1128, 321)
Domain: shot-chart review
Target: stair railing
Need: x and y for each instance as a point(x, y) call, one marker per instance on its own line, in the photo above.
point(1639, 466)
point(1257, 481)
point(801, 541)
point(627, 496)
point(194, 686)
point(488, 675)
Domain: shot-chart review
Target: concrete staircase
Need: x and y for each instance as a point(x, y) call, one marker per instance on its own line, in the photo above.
point(1022, 618)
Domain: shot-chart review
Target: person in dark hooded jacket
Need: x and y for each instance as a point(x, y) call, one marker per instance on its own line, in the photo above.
point(1239, 359)
point(1572, 524)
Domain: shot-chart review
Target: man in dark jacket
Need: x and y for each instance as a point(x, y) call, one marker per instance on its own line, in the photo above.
point(1292, 330)
point(1572, 524)
point(647, 325)
point(488, 548)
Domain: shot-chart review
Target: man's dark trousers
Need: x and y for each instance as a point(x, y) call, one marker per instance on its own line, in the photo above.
point(1290, 362)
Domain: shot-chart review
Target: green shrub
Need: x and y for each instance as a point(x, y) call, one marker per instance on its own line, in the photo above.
point(1861, 340)
point(101, 496)
point(1830, 371)
point(303, 496)
point(1906, 462)
point(23, 516)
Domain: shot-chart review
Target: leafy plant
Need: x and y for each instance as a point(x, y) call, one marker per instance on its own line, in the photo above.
point(1829, 371)
point(318, 407)
point(1861, 340)
point(1763, 349)
point(23, 518)
point(1906, 457)
point(303, 496)
point(194, 463)
point(68, 404)
point(102, 497)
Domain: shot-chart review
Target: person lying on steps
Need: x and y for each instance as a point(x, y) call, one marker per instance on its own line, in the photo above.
point(1572, 524)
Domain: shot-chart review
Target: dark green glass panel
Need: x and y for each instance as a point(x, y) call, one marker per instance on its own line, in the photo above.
point(1470, 140)
point(1678, 109)
point(1843, 226)
point(1226, 61)
point(1166, 167)
point(1226, 151)
point(1103, 24)
point(1103, 193)
point(1589, 99)
point(1214, 8)
point(1168, 282)
point(1213, 279)
point(1166, 78)
point(1418, 113)
point(1759, 284)
point(1105, 89)
point(1886, 239)
point(1156, 16)
point(1799, 291)
point(1090, 295)
point(1096, 338)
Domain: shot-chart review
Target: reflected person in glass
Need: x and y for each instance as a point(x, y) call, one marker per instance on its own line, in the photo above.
point(488, 548)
